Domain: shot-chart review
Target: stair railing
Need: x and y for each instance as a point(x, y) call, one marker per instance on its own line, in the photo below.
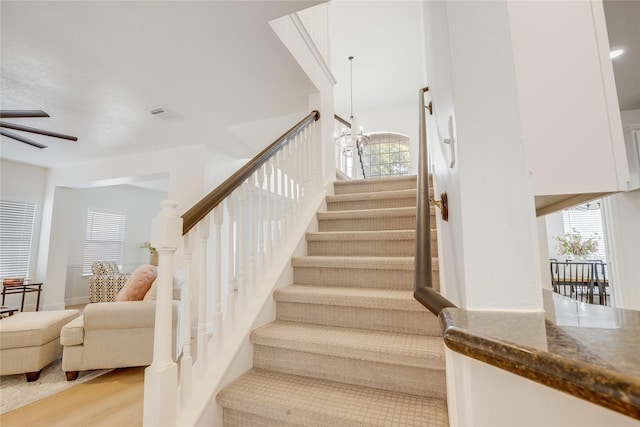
point(423, 280)
point(249, 217)
point(345, 149)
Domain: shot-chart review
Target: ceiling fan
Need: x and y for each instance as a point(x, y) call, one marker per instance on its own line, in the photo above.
point(19, 114)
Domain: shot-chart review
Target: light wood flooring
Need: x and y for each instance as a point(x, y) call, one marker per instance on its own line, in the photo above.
point(113, 399)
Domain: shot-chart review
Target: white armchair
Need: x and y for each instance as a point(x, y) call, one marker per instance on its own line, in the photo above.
point(111, 335)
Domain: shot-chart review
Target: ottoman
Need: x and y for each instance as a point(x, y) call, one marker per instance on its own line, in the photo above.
point(30, 341)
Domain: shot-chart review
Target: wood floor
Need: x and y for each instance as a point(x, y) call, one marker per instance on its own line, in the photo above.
point(113, 399)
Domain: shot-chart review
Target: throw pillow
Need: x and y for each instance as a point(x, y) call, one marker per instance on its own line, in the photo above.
point(179, 277)
point(138, 284)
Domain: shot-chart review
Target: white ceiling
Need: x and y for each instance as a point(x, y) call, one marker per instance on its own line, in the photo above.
point(388, 67)
point(388, 62)
point(98, 68)
point(623, 26)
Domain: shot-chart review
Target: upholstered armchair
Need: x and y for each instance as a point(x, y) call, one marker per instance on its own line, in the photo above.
point(111, 335)
point(117, 334)
point(106, 282)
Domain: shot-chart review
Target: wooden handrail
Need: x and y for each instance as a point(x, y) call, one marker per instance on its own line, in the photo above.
point(423, 281)
point(341, 120)
point(348, 125)
point(213, 199)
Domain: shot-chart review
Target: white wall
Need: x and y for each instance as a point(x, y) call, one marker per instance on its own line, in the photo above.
point(567, 97)
point(24, 183)
point(477, 85)
point(490, 259)
point(139, 206)
point(310, 60)
point(185, 168)
point(555, 227)
point(497, 398)
point(621, 219)
point(630, 123)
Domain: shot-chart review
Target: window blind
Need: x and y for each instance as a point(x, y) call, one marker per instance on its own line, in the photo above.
point(105, 238)
point(16, 233)
point(587, 223)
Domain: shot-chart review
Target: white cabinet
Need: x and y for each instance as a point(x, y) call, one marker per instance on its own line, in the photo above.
point(571, 123)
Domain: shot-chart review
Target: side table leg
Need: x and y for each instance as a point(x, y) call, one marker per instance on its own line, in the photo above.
point(38, 299)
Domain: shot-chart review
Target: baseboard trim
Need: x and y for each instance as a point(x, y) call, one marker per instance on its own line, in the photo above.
point(77, 301)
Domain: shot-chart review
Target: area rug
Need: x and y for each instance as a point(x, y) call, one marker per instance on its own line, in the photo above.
point(15, 391)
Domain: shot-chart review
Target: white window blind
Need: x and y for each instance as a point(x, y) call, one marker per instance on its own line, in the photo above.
point(587, 222)
point(16, 232)
point(105, 238)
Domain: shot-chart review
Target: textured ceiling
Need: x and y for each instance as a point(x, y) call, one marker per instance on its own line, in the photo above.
point(98, 68)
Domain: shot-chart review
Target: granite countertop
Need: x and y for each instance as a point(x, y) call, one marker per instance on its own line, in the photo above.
point(589, 351)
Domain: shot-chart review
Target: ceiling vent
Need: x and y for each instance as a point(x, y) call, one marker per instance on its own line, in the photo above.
point(166, 114)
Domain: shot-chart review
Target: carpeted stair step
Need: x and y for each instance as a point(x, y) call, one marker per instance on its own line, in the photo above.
point(377, 200)
point(368, 219)
point(362, 272)
point(376, 309)
point(366, 243)
point(269, 399)
point(383, 360)
point(375, 185)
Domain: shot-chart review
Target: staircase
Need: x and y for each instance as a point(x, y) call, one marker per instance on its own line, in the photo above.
point(349, 346)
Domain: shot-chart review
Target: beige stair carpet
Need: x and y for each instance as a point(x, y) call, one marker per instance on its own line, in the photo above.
point(350, 345)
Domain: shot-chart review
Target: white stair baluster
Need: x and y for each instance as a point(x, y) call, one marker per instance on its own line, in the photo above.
point(217, 274)
point(186, 361)
point(316, 150)
point(296, 176)
point(285, 193)
point(270, 208)
point(231, 282)
point(279, 200)
point(251, 241)
point(203, 352)
point(241, 248)
point(260, 262)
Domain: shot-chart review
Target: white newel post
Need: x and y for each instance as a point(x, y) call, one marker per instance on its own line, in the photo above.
point(161, 378)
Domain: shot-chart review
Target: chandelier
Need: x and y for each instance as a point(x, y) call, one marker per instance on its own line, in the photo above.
point(352, 136)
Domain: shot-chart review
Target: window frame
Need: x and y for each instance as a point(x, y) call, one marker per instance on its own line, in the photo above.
point(587, 222)
point(23, 244)
point(104, 238)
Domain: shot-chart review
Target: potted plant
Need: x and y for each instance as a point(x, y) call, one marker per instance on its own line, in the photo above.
point(153, 254)
point(572, 244)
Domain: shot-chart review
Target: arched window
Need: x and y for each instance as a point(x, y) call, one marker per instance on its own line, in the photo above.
point(386, 154)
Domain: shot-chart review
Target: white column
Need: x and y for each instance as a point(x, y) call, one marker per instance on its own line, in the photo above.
point(161, 378)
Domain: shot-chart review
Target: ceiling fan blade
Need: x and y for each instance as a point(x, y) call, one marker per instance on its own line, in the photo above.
point(21, 138)
point(38, 131)
point(18, 114)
